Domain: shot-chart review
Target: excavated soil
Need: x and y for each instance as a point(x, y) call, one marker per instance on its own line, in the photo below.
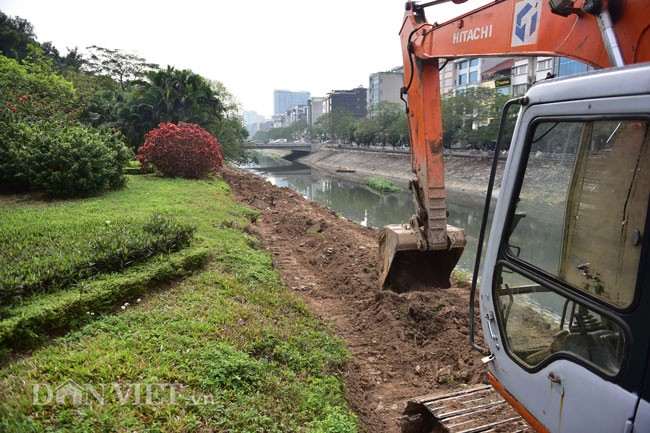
point(404, 345)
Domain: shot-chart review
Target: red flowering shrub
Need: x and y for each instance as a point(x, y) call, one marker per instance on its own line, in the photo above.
point(184, 150)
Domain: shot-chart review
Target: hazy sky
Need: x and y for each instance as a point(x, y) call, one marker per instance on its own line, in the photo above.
point(252, 46)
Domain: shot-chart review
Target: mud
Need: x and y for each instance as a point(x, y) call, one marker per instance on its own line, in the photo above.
point(404, 345)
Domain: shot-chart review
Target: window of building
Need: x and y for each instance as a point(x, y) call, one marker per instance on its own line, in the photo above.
point(519, 89)
point(462, 65)
point(503, 90)
point(462, 79)
point(520, 70)
point(449, 82)
point(473, 77)
point(569, 67)
point(473, 62)
point(544, 64)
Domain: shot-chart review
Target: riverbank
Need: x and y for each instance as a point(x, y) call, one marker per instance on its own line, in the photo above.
point(462, 174)
point(229, 348)
point(403, 345)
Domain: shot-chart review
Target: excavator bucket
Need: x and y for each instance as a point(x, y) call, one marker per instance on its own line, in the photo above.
point(407, 268)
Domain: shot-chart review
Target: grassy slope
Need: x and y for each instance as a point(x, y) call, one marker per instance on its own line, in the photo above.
point(231, 332)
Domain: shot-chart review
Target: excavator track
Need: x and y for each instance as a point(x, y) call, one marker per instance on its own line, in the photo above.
point(479, 409)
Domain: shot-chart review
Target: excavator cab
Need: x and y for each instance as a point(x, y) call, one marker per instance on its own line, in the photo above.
point(568, 313)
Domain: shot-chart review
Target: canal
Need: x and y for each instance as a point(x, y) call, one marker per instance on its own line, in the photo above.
point(349, 196)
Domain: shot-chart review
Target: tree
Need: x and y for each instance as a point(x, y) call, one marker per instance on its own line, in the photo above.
point(184, 95)
point(366, 131)
point(337, 124)
point(36, 78)
point(231, 133)
point(118, 64)
point(469, 117)
point(398, 132)
point(385, 114)
point(15, 34)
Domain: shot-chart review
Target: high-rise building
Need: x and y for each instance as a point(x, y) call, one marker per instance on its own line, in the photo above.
point(283, 100)
point(251, 117)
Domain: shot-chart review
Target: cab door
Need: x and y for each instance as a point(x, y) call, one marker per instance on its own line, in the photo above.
point(566, 318)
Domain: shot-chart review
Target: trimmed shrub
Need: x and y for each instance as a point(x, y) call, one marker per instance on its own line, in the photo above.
point(45, 259)
point(76, 161)
point(183, 150)
point(14, 138)
point(45, 147)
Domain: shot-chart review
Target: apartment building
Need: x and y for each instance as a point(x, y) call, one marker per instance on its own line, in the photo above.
point(315, 109)
point(353, 100)
point(385, 86)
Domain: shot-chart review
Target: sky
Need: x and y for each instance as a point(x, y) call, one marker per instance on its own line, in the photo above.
point(252, 46)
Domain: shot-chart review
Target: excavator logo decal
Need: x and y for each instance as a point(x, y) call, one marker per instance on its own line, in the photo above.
point(525, 24)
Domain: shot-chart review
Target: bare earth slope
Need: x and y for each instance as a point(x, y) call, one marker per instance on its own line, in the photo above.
point(403, 345)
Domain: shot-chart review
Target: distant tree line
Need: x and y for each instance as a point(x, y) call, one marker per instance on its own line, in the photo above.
point(121, 91)
point(469, 119)
point(385, 125)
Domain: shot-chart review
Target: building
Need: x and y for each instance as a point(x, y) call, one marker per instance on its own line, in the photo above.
point(564, 66)
point(252, 120)
point(528, 71)
point(297, 113)
point(353, 100)
point(447, 78)
point(283, 100)
point(251, 117)
point(277, 120)
point(315, 109)
point(499, 76)
point(385, 86)
point(254, 128)
point(468, 71)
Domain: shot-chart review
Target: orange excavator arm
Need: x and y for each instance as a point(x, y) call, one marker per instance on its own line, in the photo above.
point(591, 31)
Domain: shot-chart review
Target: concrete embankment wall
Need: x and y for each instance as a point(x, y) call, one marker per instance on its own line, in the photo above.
point(462, 174)
point(371, 163)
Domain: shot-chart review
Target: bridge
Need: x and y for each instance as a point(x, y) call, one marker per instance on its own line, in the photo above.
point(304, 147)
point(297, 149)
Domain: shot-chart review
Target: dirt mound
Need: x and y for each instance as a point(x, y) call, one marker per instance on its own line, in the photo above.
point(404, 345)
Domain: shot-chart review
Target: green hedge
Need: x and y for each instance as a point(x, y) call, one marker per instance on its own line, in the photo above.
point(37, 320)
point(44, 258)
point(61, 161)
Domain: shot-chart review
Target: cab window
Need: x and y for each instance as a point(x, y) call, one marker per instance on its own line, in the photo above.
point(539, 323)
point(588, 182)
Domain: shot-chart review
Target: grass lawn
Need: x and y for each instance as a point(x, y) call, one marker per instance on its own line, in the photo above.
point(225, 349)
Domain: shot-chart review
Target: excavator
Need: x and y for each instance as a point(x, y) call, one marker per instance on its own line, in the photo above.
point(565, 317)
